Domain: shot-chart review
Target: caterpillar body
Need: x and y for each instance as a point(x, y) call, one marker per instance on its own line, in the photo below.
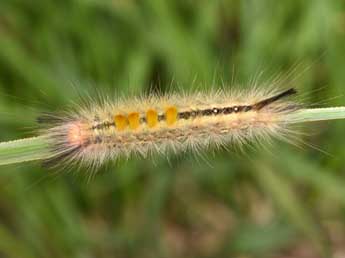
point(106, 131)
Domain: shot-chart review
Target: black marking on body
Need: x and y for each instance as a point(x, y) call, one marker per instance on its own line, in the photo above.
point(184, 115)
point(228, 110)
point(161, 117)
point(266, 102)
point(103, 125)
point(207, 112)
point(194, 113)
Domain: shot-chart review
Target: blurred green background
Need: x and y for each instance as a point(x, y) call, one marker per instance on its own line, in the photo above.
point(284, 202)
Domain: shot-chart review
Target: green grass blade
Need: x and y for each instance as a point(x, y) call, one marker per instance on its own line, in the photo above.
point(36, 148)
point(317, 114)
point(28, 149)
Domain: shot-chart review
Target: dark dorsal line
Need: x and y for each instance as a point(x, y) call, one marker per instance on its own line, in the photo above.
point(212, 111)
point(265, 102)
point(236, 109)
point(103, 125)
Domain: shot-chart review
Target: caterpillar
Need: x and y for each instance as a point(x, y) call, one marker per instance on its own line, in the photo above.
point(96, 133)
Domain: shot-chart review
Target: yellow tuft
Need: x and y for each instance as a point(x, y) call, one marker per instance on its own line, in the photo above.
point(134, 120)
point(120, 122)
point(171, 115)
point(152, 118)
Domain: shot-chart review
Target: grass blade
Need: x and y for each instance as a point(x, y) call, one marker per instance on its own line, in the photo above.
point(317, 114)
point(22, 150)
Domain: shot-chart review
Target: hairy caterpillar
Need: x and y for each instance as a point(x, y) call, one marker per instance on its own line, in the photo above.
point(97, 133)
